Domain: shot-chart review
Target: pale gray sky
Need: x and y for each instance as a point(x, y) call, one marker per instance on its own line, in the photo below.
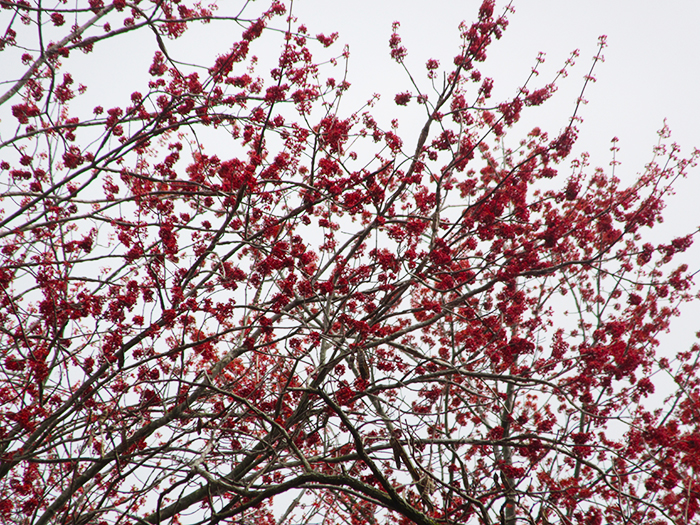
point(652, 68)
point(651, 73)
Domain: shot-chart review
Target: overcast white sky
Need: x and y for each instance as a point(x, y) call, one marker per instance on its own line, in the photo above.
point(652, 68)
point(651, 73)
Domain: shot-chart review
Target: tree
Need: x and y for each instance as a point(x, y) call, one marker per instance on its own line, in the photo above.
point(314, 320)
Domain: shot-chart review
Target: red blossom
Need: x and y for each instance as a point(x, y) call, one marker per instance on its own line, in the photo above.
point(538, 96)
point(511, 111)
point(402, 99)
point(96, 5)
point(255, 30)
point(486, 88)
point(22, 112)
point(57, 19)
point(333, 133)
point(73, 158)
point(398, 52)
point(563, 144)
point(327, 41)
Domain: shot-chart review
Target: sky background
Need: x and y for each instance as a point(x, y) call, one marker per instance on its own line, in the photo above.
point(651, 73)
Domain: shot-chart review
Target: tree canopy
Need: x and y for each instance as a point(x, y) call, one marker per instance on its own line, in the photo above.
point(226, 300)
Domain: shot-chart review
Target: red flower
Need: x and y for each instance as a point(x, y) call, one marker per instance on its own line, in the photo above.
point(402, 98)
point(333, 133)
point(327, 40)
point(57, 19)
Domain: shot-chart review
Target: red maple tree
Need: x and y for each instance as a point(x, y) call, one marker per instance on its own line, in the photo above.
point(312, 320)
